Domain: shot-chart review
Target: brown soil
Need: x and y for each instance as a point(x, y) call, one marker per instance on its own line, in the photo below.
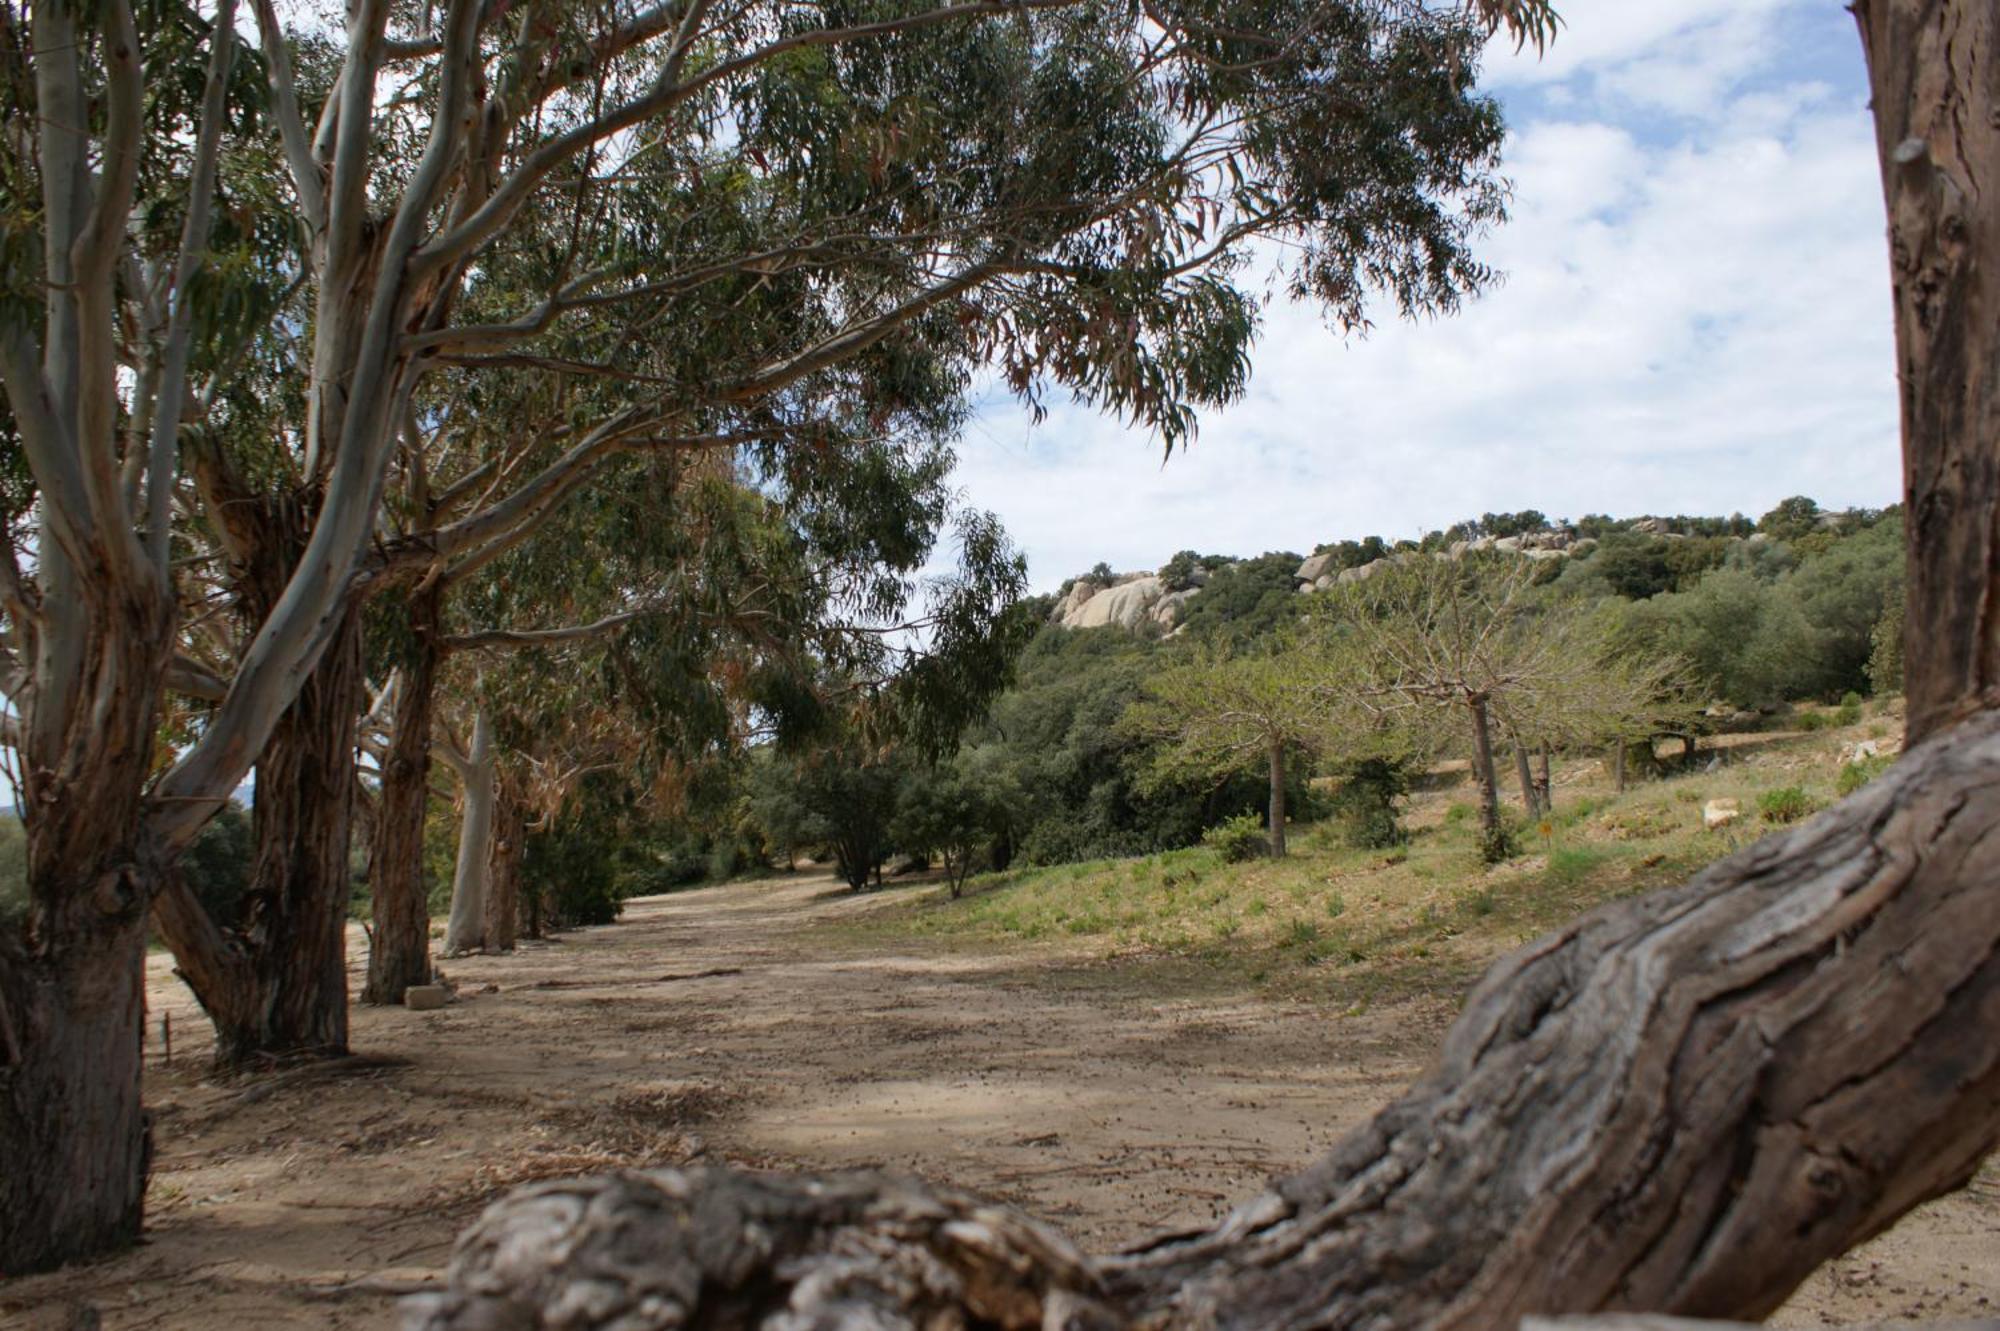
point(1111, 1098)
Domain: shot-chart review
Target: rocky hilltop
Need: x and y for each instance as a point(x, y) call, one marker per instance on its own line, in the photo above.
point(1147, 600)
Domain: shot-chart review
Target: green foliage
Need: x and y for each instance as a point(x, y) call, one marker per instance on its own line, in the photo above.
point(1791, 519)
point(1238, 839)
point(1246, 601)
point(1786, 804)
point(1499, 843)
point(1855, 775)
point(956, 812)
point(846, 791)
point(217, 865)
point(1364, 806)
point(1188, 569)
point(569, 877)
point(1849, 712)
point(1885, 646)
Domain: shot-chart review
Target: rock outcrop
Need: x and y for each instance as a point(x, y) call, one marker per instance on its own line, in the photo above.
point(1125, 603)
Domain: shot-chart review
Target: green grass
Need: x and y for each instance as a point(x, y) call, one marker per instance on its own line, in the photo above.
point(1356, 925)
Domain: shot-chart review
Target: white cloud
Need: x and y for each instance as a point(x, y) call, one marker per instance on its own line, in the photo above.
point(1695, 321)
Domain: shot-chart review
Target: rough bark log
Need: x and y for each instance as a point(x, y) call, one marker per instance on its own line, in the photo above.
point(1649, 1322)
point(1683, 1103)
point(400, 952)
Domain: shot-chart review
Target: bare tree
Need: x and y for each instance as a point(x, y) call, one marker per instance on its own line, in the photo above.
point(1684, 1102)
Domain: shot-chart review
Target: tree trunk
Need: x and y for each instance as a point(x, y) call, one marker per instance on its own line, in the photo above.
point(1618, 765)
point(72, 1132)
point(73, 1140)
point(1492, 836)
point(1530, 799)
point(1277, 754)
point(465, 931)
point(400, 955)
point(503, 884)
point(277, 985)
point(1937, 128)
point(1545, 783)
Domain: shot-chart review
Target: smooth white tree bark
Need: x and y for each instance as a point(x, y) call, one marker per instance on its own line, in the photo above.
point(466, 929)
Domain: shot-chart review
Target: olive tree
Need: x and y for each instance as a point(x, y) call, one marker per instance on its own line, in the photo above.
point(1218, 711)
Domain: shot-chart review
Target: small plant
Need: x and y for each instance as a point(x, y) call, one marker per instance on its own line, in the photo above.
point(1786, 804)
point(1572, 864)
point(1850, 709)
point(1855, 775)
point(1481, 903)
point(1336, 906)
point(1364, 807)
point(1457, 813)
point(1811, 722)
point(1238, 839)
point(1302, 933)
point(1499, 845)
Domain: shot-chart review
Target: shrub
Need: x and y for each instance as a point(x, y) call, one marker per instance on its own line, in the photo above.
point(1500, 844)
point(1786, 804)
point(1237, 839)
point(1812, 721)
point(1855, 775)
point(1364, 807)
point(1850, 709)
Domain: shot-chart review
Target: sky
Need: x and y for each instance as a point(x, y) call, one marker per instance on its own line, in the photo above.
point(1695, 318)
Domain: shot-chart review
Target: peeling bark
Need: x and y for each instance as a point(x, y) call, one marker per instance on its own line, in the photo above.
point(400, 953)
point(503, 873)
point(275, 985)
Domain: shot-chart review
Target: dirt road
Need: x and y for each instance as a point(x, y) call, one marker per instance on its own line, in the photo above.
point(1113, 1099)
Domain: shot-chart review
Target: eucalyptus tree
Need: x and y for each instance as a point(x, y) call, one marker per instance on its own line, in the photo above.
point(1063, 190)
point(1683, 1102)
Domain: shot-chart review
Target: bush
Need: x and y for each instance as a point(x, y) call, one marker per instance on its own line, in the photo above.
point(1500, 844)
point(1850, 709)
point(1853, 776)
point(1811, 722)
point(1364, 807)
point(1238, 839)
point(1786, 804)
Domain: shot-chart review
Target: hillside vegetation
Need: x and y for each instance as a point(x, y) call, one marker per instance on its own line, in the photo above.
point(1707, 624)
point(1352, 925)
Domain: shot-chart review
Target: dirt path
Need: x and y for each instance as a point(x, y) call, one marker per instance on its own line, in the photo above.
point(1113, 1099)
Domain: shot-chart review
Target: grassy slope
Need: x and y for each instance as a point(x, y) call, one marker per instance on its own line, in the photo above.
point(1350, 926)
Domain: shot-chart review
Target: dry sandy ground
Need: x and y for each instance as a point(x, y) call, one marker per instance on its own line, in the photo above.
point(1113, 1099)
